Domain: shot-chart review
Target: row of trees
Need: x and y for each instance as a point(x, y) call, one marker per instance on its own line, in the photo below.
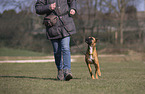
point(16, 31)
point(108, 10)
point(109, 20)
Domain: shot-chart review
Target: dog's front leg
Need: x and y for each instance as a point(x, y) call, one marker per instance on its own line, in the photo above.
point(90, 70)
point(99, 72)
point(96, 69)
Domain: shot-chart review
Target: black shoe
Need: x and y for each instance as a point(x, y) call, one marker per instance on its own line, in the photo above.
point(60, 75)
point(67, 75)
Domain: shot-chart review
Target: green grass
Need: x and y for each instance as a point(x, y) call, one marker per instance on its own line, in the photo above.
point(124, 77)
point(17, 52)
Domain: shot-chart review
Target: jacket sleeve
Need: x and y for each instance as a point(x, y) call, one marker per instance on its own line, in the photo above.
point(42, 7)
point(72, 4)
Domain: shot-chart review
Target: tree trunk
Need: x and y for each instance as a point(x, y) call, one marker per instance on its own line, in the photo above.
point(121, 33)
point(122, 14)
point(116, 37)
point(84, 31)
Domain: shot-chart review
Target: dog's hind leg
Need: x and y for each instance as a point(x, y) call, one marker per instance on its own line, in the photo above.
point(90, 70)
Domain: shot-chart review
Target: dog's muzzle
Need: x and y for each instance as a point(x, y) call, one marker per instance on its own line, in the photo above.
point(89, 41)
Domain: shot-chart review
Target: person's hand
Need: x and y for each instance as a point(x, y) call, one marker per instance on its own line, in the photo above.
point(53, 6)
point(72, 11)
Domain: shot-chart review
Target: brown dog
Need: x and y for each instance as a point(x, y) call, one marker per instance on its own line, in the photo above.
point(92, 56)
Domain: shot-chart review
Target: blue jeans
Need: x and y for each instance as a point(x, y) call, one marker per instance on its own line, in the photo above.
point(61, 50)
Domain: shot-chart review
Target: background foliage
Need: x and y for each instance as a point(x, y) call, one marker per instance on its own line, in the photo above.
point(101, 19)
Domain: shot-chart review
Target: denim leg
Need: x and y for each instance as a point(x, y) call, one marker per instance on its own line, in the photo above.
point(66, 53)
point(57, 53)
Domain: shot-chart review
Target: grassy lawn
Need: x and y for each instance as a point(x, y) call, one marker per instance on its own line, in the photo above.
point(17, 52)
point(118, 77)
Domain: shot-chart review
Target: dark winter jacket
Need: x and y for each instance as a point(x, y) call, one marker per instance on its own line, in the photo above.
point(62, 9)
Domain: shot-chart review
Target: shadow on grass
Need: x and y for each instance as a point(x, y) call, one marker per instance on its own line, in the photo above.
point(28, 77)
point(55, 79)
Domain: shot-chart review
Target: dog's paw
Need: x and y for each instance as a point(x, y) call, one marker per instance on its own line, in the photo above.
point(93, 77)
point(99, 74)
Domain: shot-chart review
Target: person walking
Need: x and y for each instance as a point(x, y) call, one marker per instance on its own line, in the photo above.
point(59, 31)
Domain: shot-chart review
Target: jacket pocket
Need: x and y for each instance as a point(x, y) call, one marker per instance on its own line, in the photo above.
point(54, 31)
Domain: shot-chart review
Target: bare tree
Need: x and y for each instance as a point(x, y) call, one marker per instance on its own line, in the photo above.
point(118, 7)
point(18, 4)
point(89, 11)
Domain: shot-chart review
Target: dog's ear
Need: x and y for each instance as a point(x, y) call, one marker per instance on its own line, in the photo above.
point(86, 40)
point(97, 40)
